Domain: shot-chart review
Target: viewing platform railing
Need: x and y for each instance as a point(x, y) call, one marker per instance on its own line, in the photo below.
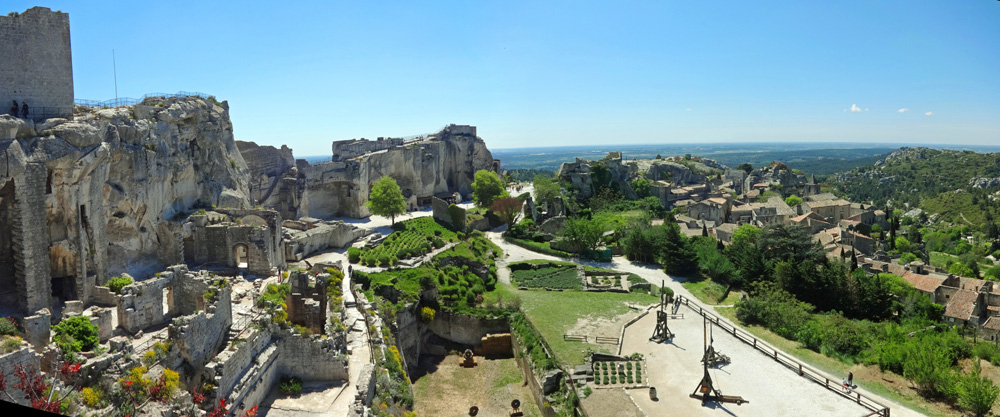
point(803, 370)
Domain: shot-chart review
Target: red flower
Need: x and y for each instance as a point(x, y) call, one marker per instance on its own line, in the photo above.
point(128, 384)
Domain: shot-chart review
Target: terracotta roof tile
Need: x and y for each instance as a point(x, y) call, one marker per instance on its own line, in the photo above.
point(925, 283)
point(961, 304)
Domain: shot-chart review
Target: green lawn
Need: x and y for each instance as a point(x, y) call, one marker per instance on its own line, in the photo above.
point(940, 260)
point(709, 292)
point(829, 365)
point(555, 312)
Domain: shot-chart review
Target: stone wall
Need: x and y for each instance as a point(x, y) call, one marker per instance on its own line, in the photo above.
point(243, 372)
point(347, 149)
point(37, 65)
point(466, 329)
point(24, 357)
point(258, 231)
point(310, 358)
point(200, 337)
point(307, 300)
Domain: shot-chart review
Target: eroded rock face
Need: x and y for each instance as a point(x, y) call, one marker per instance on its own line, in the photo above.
point(437, 165)
point(109, 183)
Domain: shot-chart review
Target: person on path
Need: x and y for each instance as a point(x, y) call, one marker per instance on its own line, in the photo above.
point(24, 110)
point(13, 109)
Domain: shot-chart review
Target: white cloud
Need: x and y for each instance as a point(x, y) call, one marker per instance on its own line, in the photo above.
point(901, 111)
point(687, 109)
point(930, 113)
point(866, 109)
point(855, 108)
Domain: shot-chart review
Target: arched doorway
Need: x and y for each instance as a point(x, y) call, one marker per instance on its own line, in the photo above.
point(241, 255)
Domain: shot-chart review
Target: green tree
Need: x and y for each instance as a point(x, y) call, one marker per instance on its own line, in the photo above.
point(386, 199)
point(584, 233)
point(793, 200)
point(675, 253)
point(745, 167)
point(487, 188)
point(641, 187)
point(507, 209)
point(546, 189)
point(977, 393)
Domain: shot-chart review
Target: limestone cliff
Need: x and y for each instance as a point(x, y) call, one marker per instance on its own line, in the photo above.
point(438, 165)
point(86, 198)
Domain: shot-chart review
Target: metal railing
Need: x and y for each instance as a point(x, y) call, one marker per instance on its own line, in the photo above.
point(129, 101)
point(878, 409)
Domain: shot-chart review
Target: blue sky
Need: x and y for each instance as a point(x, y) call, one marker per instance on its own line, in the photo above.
point(304, 73)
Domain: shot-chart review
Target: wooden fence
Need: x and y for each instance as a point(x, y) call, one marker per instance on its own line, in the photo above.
point(803, 370)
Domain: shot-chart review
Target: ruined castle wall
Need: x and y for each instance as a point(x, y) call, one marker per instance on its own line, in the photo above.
point(200, 337)
point(33, 286)
point(141, 303)
point(466, 329)
point(24, 357)
point(346, 149)
point(310, 357)
point(238, 369)
point(37, 66)
point(266, 160)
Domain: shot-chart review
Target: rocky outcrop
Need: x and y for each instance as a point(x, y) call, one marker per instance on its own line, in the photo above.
point(673, 172)
point(106, 186)
point(436, 165)
point(587, 177)
point(980, 182)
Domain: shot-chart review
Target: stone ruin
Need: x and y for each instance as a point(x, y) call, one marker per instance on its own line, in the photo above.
point(437, 165)
point(307, 300)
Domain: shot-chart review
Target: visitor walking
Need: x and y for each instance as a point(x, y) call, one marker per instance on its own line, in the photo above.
point(13, 109)
point(24, 110)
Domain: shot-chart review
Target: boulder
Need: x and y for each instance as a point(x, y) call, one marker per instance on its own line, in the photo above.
point(550, 383)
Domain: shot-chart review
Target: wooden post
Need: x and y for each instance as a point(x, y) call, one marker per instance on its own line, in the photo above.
point(800, 369)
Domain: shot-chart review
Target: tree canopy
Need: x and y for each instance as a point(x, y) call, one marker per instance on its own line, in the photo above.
point(487, 188)
point(386, 199)
point(507, 209)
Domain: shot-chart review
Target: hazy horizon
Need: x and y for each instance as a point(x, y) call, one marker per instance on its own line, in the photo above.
point(561, 73)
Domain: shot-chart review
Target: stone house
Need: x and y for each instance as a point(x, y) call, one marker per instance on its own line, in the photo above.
point(833, 210)
point(712, 209)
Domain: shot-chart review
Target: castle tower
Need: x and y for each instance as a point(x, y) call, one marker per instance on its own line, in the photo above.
point(36, 66)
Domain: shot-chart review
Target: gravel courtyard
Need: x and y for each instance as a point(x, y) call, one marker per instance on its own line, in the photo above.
point(674, 368)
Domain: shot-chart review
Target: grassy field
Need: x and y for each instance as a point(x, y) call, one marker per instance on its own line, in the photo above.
point(941, 259)
point(710, 292)
point(868, 377)
point(555, 312)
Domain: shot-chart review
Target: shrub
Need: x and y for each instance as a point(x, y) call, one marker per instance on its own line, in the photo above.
point(427, 314)
point(606, 380)
point(76, 334)
point(10, 344)
point(149, 358)
point(8, 327)
point(290, 386)
point(117, 283)
point(93, 397)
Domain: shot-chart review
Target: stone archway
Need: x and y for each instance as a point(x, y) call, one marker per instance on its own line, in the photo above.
point(242, 258)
